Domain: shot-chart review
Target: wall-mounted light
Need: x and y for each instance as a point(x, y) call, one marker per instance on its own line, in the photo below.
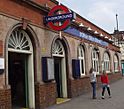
point(90, 45)
point(81, 25)
point(46, 5)
point(110, 39)
point(96, 32)
point(89, 29)
point(106, 37)
point(101, 35)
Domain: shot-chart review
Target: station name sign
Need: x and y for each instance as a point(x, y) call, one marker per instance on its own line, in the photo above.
point(59, 18)
point(77, 33)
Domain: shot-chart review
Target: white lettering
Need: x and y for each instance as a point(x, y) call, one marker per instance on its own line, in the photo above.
point(59, 17)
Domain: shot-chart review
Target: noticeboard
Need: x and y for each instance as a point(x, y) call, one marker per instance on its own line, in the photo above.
point(48, 69)
point(1, 65)
point(50, 66)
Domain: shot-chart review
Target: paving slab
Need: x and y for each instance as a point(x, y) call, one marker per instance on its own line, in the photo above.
point(86, 102)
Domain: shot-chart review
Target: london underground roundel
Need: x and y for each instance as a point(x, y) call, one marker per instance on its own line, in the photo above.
point(59, 17)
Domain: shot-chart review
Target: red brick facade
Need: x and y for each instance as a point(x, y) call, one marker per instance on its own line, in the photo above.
point(45, 93)
point(81, 86)
point(5, 98)
point(1, 48)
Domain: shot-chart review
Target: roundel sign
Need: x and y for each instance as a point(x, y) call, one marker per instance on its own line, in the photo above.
point(59, 17)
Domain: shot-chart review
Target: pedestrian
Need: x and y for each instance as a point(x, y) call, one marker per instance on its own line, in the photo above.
point(93, 81)
point(105, 84)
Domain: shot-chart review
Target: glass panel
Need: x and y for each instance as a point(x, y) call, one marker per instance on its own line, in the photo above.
point(106, 61)
point(95, 61)
point(58, 49)
point(82, 66)
point(82, 59)
point(19, 40)
point(115, 63)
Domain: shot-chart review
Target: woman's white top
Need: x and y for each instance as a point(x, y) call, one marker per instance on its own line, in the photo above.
point(93, 77)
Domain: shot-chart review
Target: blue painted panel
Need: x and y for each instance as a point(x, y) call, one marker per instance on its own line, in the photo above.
point(76, 68)
point(77, 33)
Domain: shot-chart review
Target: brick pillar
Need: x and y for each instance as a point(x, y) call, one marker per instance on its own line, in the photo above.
point(5, 98)
point(45, 95)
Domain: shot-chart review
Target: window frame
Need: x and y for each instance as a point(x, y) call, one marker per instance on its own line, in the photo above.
point(116, 63)
point(106, 62)
point(81, 57)
point(95, 60)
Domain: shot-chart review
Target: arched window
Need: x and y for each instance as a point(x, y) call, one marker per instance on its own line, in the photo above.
point(95, 61)
point(19, 41)
point(81, 58)
point(58, 49)
point(106, 62)
point(116, 63)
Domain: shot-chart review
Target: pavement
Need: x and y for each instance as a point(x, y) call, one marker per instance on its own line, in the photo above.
point(86, 102)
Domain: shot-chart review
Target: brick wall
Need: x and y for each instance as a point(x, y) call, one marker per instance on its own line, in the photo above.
point(1, 47)
point(5, 99)
point(21, 10)
point(45, 95)
point(80, 86)
point(114, 77)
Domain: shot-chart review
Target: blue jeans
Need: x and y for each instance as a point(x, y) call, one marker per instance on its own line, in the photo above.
point(105, 86)
point(94, 89)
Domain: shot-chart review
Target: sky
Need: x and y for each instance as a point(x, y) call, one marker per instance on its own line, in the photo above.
point(100, 12)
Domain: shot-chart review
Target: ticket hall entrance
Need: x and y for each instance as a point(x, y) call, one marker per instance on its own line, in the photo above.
point(21, 70)
point(18, 79)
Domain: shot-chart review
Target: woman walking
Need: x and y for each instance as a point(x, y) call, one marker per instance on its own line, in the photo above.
point(105, 84)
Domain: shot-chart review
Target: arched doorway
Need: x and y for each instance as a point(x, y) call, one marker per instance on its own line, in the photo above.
point(21, 69)
point(58, 52)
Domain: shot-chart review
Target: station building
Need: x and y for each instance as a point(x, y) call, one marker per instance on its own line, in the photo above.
point(39, 65)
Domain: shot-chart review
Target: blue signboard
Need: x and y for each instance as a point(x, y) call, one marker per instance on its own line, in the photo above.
point(80, 34)
point(60, 17)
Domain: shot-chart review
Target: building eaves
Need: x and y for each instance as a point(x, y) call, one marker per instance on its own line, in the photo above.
point(92, 24)
point(35, 5)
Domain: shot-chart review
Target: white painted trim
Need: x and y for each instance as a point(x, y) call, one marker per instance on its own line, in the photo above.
point(95, 59)
point(19, 51)
point(64, 78)
point(31, 82)
point(57, 55)
point(81, 55)
point(106, 59)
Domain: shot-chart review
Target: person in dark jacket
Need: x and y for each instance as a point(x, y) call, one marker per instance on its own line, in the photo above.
point(105, 84)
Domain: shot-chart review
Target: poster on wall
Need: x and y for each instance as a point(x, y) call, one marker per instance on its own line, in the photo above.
point(1, 65)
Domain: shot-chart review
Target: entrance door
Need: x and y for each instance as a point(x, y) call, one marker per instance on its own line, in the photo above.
point(20, 65)
point(18, 79)
point(58, 53)
point(58, 76)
